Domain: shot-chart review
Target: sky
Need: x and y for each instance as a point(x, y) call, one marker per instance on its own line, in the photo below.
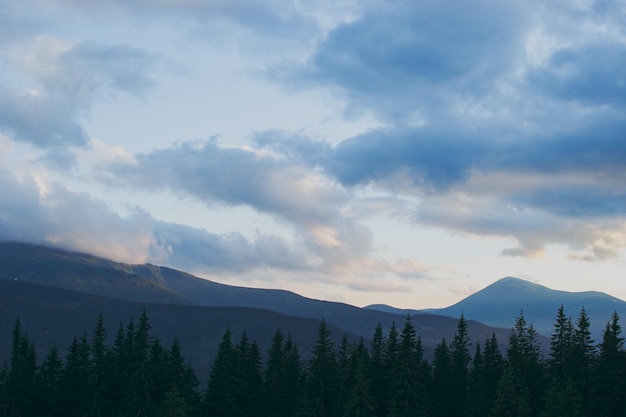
point(407, 153)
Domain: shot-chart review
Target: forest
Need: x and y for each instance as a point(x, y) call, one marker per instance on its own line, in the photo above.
point(137, 376)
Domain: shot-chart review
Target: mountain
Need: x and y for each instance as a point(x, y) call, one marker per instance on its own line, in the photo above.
point(500, 304)
point(160, 285)
point(53, 316)
point(83, 273)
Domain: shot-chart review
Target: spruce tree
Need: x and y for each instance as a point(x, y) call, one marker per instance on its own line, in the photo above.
point(247, 378)
point(441, 381)
point(20, 387)
point(493, 366)
point(181, 377)
point(378, 372)
point(100, 368)
point(358, 403)
point(140, 382)
point(459, 365)
point(322, 380)
point(525, 365)
point(281, 391)
point(583, 360)
point(220, 397)
point(408, 390)
point(76, 392)
point(611, 371)
point(49, 377)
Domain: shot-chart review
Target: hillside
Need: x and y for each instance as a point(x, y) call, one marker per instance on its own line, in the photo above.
point(54, 316)
point(160, 285)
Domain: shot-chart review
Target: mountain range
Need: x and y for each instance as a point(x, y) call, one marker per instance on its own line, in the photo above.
point(58, 294)
point(502, 302)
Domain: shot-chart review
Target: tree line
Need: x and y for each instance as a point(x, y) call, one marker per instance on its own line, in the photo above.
point(136, 376)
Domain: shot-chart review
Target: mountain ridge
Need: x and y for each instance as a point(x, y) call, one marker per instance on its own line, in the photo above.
point(161, 285)
point(501, 302)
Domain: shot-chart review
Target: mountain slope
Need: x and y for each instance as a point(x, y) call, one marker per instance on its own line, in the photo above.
point(54, 316)
point(500, 304)
point(81, 272)
point(154, 284)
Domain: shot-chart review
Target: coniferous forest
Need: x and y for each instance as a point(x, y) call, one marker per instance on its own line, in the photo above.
point(136, 375)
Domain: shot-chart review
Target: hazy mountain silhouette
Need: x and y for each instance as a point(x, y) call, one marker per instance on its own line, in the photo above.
point(500, 304)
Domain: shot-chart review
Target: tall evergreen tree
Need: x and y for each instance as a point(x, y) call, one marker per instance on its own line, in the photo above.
point(512, 398)
point(562, 398)
point(140, 382)
point(100, 367)
point(583, 359)
point(358, 403)
point(322, 380)
point(441, 381)
point(611, 371)
point(48, 384)
point(220, 397)
point(281, 390)
point(20, 386)
point(493, 366)
point(378, 372)
point(525, 365)
point(459, 365)
point(561, 348)
point(76, 389)
point(247, 377)
point(182, 381)
point(408, 390)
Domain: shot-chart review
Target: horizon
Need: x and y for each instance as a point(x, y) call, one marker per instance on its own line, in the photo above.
point(408, 155)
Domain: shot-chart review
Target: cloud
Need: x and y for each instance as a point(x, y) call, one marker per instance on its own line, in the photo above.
point(411, 59)
point(237, 176)
point(590, 74)
point(54, 215)
point(63, 81)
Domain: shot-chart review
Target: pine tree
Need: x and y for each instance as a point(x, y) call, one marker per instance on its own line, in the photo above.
point(358, 402)
point(583, 360)
point(281, 390)
point(378, 372)
point(459, 365)
point(220, 397)
point(525, 365)
point(512, 398)
point(562, 398)
point(76, 389)
point(100, 367)
point(140, 383)
point(408, 398)
point(173, 405)
point(49, 377)
point(493, 366)
point(181, 377)
point(476, 403)
point(322, 380)
point(561, 348)
point(611, 371)
point(21, 375)
point(247, 377)
point(441, 381)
